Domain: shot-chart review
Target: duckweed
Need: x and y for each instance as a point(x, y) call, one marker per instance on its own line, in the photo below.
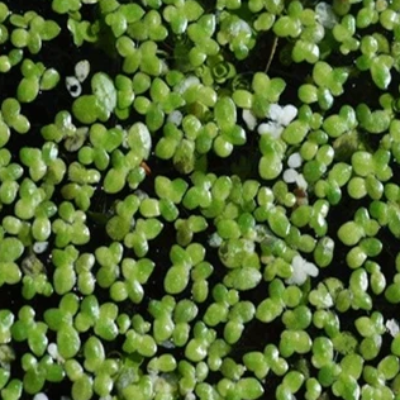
point(179, 229)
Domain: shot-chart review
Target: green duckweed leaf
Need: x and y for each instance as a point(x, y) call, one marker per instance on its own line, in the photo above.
point(10, 249)
point(50, 30)
point(86, 109)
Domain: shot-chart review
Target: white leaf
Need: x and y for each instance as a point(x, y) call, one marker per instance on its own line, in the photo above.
point(175, 117)
point(82, 69)
point(40, 396)
point(392, 326)
point(295, 160)
point(40, 247)
point(290, 175)
point(270, 128)
point(301, 270)
point(250, 119)
point(287, 115)
point(73, 86)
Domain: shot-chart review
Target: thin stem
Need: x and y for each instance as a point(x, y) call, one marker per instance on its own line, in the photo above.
point(272, 53)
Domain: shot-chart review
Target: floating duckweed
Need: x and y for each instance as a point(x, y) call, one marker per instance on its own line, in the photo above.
point(169, 263)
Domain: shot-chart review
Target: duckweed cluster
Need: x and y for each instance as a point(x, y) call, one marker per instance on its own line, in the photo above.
point(199, 199)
